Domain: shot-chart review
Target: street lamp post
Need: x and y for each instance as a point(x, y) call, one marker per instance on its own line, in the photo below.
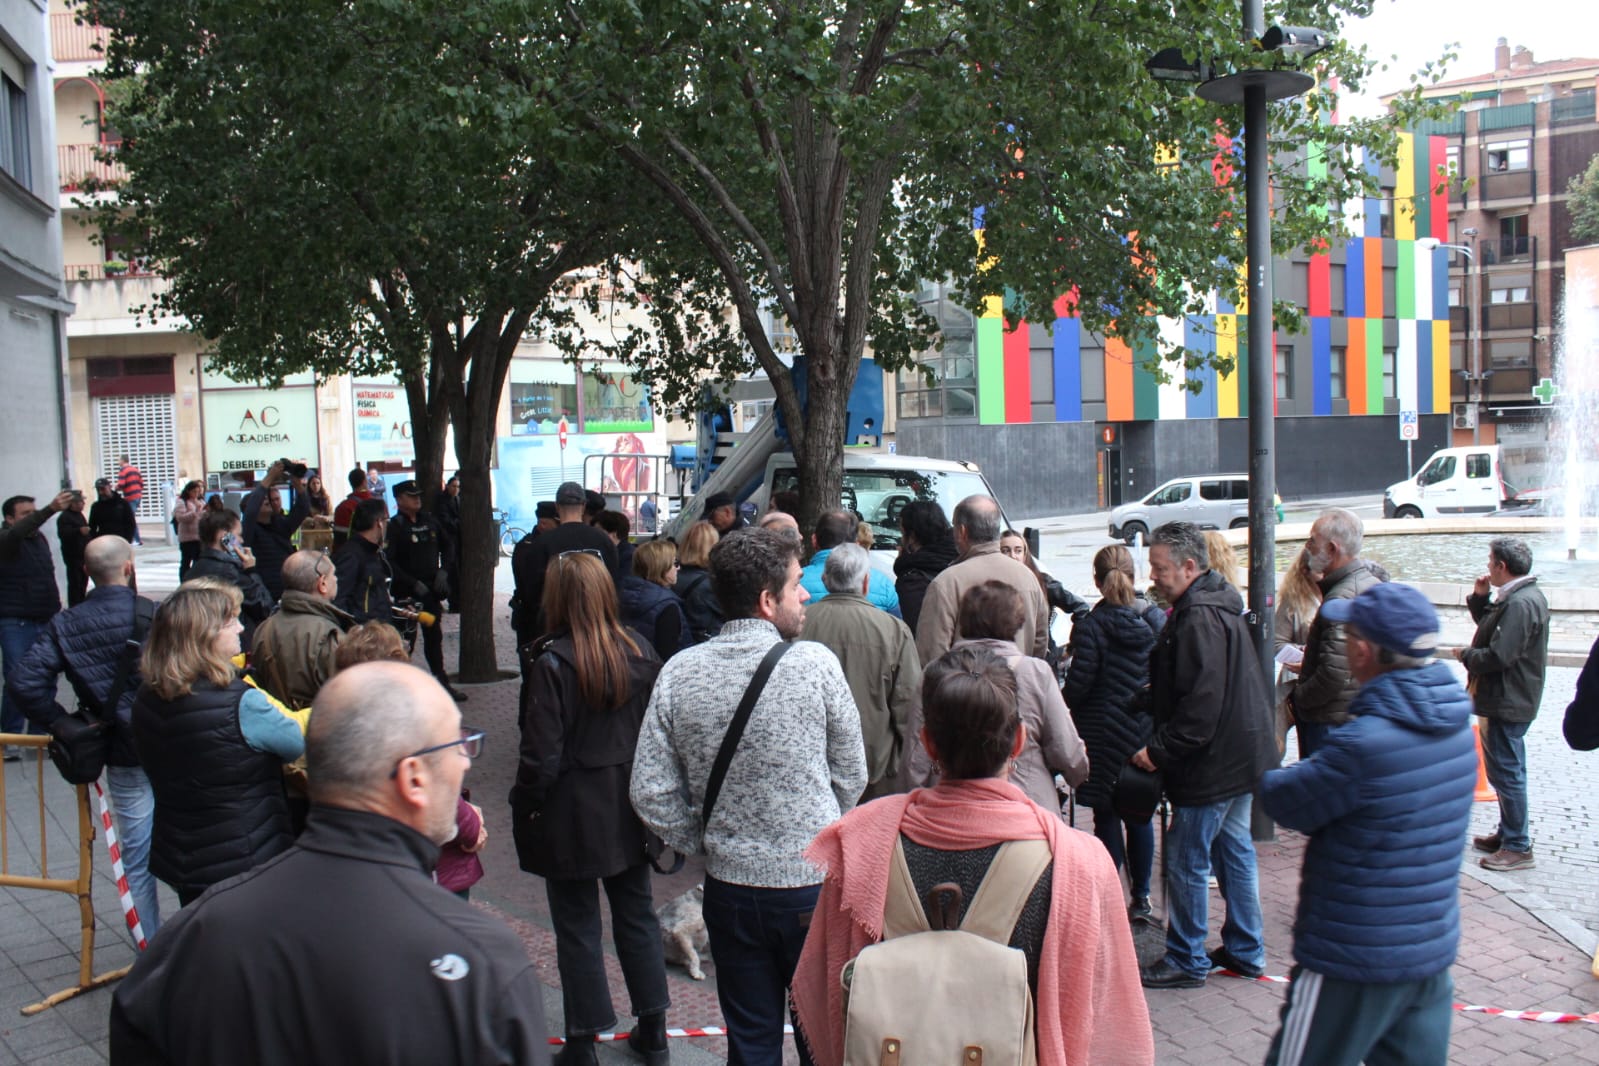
point(1474, 377)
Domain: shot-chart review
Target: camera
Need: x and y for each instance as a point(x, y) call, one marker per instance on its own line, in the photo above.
point(296, 470)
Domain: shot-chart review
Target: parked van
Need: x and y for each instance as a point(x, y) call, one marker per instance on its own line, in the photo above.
point(1454, 481)
point(1209, 501)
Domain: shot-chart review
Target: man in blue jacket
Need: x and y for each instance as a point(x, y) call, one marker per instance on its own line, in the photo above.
point(1386, 801)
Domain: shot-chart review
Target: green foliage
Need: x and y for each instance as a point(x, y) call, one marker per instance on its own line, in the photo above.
point(1583, 203)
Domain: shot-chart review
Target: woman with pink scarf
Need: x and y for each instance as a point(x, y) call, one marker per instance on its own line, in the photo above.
point(1088, 1005)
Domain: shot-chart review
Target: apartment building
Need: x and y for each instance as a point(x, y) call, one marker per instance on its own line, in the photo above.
point(1522, 131)
point(33, 305)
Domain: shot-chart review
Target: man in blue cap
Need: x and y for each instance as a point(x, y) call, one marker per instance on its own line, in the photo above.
point(1386, 801)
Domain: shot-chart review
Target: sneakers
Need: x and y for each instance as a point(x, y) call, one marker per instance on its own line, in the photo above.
point(1503, 861)
point(1139, 910)
point(1222, 959)
point(1489, 843)
point(1165, 975)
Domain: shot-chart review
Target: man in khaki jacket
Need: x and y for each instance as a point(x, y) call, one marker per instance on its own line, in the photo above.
point(878, 655)
point(977, 528)
point(292, 656)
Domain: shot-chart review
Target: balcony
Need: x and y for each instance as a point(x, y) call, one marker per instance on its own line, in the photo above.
point(1506, 185)
point(1510, 316)
point(74, 41)
point(78, 164)
point(98, 272)
point(1497, 251)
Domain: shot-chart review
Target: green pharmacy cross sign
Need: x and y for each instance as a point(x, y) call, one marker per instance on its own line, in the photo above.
point(1546, 392)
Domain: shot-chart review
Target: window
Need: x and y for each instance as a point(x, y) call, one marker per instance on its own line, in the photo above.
point(1479, 465)
point(1390, 364)
point(1214, 490)
point(1336, 282)
point(539, 403)
point(615, 401)
point(14, 156)
point(1285, 372)
point(1385, 208)
point(1510, 354)
point(1452, 162)
point(954, 388)
point(1514, 242)
point(1336, 367)
point(1516, 294)
point(1441, 469)
point(1455, 296)
point(1175, 493)
point(1508, 155)
point(1240, 488)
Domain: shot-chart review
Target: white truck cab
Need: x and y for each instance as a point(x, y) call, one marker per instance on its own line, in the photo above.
point(1455, 481)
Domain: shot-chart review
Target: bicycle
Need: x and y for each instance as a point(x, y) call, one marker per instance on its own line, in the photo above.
point(508, 534)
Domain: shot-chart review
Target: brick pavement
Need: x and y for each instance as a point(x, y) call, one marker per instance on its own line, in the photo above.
point(1527, 941)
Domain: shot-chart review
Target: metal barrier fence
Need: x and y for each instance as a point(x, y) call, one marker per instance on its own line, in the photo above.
point(78, 886)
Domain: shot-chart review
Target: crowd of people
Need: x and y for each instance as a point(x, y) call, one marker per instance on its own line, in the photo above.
point(857, 758)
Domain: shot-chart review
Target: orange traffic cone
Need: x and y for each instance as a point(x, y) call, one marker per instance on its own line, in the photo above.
point(1485, 792)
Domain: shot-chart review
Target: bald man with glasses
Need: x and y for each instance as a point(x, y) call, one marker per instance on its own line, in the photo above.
point(292, 657)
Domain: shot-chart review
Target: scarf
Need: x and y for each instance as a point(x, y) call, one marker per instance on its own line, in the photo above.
point(1090, 1007)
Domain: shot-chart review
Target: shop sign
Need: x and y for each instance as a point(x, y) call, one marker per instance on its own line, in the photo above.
point(250, 429)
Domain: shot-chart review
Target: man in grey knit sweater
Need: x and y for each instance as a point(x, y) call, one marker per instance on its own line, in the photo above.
point(800, 765)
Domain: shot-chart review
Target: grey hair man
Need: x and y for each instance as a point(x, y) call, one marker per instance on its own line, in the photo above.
point(380, 956)
point(1326, 686)
point(878, 654)
point(978, 523)
point(1506, 662)
point(799, 765)
point(783, 523)
point(293, 652)
point(1213, 739)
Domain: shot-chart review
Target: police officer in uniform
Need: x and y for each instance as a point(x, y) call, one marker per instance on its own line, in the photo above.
point(412, 545)
point(363, 572)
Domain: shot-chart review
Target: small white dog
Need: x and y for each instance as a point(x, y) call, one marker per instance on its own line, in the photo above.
point(683, 934)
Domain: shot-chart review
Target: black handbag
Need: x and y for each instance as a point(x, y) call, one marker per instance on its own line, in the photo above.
point(1136, 794)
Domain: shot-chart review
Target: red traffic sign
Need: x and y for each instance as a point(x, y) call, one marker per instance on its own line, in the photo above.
point(562, 433)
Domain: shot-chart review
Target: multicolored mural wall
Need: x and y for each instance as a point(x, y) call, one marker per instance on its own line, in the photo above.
point(1419, 306)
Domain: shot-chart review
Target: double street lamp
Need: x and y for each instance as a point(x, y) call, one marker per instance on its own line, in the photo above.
point(1474, 378)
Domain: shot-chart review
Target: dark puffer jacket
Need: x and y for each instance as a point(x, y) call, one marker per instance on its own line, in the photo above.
point(90, 638)
point(701, 608)
point(1325, 687)
point(1386, 801)
point(570, 812)
point(220, 807)
point(914, 571)
point(1110, 662)
point(1213, 716)
point(655, 613)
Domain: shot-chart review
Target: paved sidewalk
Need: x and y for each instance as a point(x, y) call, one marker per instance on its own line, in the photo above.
point(1527, 944)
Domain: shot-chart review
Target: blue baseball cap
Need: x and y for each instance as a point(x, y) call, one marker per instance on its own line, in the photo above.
point(1392, 616)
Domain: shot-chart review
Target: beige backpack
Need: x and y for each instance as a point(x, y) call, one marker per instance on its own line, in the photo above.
point(951, 996)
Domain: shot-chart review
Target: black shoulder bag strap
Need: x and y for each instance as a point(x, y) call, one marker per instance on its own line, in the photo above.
point(735, 729)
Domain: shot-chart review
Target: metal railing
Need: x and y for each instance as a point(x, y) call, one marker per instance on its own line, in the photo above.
point(79, 885)
point(1496, 250)
point(1508, 117)
point(79, 162)
point(71, 40)
point(1572, 110)
point(99, 272)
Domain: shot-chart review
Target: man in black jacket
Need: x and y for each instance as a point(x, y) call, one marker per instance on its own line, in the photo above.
point(383, 963)
point(28, 593)
point(412, 544)
point(111, 513)
point(1213, 741)
point(88, 644)
point(267, 531)
point(363, 571)
point(223, 556)
point(534, 554)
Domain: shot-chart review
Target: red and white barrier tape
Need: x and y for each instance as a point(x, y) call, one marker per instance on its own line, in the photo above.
point(707, 1030)
point(129, 911)
point(1550, 1016)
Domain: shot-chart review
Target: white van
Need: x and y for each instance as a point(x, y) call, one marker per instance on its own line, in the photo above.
point(1209, 501)
point(1454, 481)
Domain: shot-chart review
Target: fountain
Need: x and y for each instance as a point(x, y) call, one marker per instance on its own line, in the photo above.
point(1576, 358)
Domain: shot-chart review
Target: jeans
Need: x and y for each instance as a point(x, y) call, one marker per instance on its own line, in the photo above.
point(1504, 757)
point(16, 637)
point(133, 805)
point(1139, 853)
point(580, 955)
point(1196, 833)
point(756, 937)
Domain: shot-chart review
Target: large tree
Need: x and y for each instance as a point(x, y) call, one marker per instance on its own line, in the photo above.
point(363, 187)
point(827, 155)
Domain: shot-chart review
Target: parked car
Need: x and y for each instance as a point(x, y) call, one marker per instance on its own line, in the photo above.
point(1209, 501)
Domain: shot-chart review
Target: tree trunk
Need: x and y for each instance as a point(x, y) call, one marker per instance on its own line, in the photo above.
point(480, 554)
point(430, 420)
point(820, 458)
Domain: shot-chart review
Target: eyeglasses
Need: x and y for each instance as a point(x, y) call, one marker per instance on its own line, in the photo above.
point(471, 744)
point(317, 571)
point(595, 552)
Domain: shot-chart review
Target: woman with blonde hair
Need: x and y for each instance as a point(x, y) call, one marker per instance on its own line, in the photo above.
point(1298, 600)
point(582, 706)
point(1223, 559)
point(701, 610)
point(1110, 665)
point(214, 748)
point(647, 602)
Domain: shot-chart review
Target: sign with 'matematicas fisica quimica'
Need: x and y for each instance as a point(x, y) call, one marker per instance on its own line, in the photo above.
point(382, 424)
point(250, 429)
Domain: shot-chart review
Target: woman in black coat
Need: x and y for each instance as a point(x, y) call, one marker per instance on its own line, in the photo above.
point(926, 549)
point(701, 610)
point(572, 821)
point(1110, 649)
